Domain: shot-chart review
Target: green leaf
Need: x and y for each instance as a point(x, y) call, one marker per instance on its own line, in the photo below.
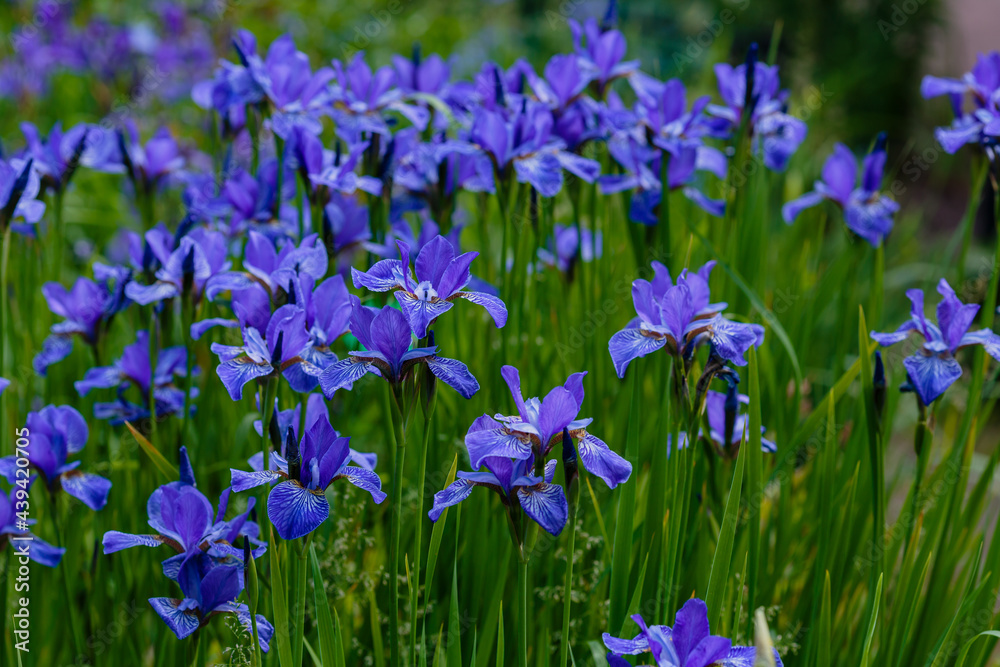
point(824, 638)
point(872, 622)
point(330, 641)
point(162, 464)
point(722, 560)
point(437, 533)
point(964, 653)
point(454, 622)
point(279, 602)
point(755, 466)
point(622, 554)
point(758, 304)
point(500, 662)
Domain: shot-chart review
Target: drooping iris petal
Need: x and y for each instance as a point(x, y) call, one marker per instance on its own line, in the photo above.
point(626, 646)
point(931, 374)
point(115, 541)
point(295, 510)
point(364, 479)
point(600, 460)
point(237, 372)
point(179, 615)
point(343, 374)
point(493, 305)
point(90, 489)
point(242, 480)
point(546, 504)
point(630, 344)
point(455, 374)
point(452, 494)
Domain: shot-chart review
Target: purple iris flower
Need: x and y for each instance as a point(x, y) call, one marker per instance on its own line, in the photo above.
point(199, 256)
point(133, 368)
point(345, 229)
point(340, 175)
point(271, 267)
point(327, 309)
point(577, 116)
point(602, 55)
point(867, 212)
point(56, 433)
point(642, 165)
point(441, 277)
point(544, 502)
point(182, 519)
point(276, 353)
point(775, 134)
point(14, 531)
point(57, 157)
point(689, 643)
point(209, 589)
point(680, 317)
point(361, 98)
point(716, 410)
point(933, 368)
point(527, 142)
point(539, 425)
point(19, 187)
point(386, 337)
point(297, 504)
point(86, 309)
point(148, 164)
point(283, 421)
point(255, 203)
point(979, 122)
point(564, 248)
point(421, 75)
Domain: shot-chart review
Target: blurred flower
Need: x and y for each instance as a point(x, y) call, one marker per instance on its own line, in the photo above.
point(753, 88)
point(867, 213)
point(563, 248)
point(133, 368)
point(57, 157)
point(13, 528)
point(200, 255)
point(933, 368)
point(56, 433)
point(361, 98)
point(979, 123)
point(19, 185)
point(87, 309)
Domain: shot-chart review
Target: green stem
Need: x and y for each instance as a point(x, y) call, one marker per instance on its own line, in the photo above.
point(574, 497)
point(399, 431)
point(4, 263)
point(64, 575)
point(969, 219)
point(267, 391)
point(152, 373)
point(298, 554)
point(522, 613)
point(421, 477)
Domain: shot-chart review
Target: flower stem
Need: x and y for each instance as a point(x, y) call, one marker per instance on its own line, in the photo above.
point(64, 575)
point(298, 553)
point(522, 612)
point(4, 263)
point(266, 393)
point(421, 477)
point(399, 431)
point(574, 497)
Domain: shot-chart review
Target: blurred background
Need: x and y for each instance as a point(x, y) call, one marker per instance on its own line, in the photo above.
point(854, 66)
